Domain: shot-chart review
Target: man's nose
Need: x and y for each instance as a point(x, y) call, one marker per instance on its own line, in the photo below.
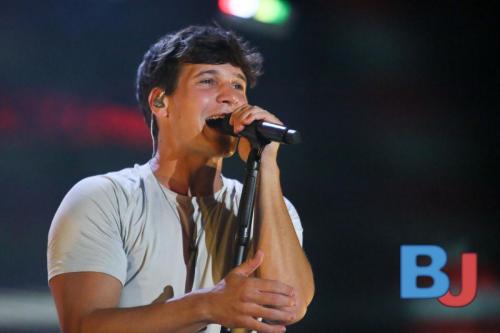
point(230, 97)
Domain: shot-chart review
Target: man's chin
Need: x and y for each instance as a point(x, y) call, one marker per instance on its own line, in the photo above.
point(221, 145)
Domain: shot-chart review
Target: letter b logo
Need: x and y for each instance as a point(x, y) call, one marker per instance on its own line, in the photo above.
point(410, 271)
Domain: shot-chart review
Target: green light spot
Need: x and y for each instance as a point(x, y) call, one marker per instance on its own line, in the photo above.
point(273, 11)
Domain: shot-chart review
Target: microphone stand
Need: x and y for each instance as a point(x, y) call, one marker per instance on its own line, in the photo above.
point(247, 203)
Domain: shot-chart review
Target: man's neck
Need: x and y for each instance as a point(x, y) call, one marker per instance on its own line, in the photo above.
point(188, 174)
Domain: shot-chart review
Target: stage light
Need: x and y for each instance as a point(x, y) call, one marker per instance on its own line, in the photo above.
point(265, 11)
point(239, 8)
point(273, 11)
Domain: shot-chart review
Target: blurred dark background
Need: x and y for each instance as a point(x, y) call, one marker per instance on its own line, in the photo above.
point(396, 102)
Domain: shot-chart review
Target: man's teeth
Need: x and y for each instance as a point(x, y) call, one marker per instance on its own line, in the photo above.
point(216, 116)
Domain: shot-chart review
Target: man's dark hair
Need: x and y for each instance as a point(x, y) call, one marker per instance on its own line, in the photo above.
point(192, 45)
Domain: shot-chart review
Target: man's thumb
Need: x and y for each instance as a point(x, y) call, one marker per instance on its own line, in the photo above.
point(249, 266)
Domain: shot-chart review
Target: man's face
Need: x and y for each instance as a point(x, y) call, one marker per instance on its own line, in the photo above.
point(203, 91)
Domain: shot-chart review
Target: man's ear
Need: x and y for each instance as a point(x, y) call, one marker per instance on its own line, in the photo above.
point(158, 102)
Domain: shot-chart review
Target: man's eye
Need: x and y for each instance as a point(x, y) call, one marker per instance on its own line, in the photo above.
point(207, 81)
point(238, 86)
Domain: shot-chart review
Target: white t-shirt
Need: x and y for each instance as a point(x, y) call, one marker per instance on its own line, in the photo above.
point(130, 226)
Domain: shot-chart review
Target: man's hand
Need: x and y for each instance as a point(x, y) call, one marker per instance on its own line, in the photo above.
point(244, 116)
point(238, 300)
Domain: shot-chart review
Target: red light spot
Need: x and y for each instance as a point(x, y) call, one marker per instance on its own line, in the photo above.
point(8, 120)
point(70, 119)
point(225, 7)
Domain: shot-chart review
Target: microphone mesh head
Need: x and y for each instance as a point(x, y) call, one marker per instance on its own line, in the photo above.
point(292, 137)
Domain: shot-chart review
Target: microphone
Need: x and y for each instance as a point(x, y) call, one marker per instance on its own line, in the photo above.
point(259, 130)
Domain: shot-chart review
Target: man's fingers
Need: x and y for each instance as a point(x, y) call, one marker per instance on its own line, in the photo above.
point(259, 114)
point(273, 286)
point(271, 314)
point(271, 299)
point(237, 113)
point(246, 114)
point(249, 266)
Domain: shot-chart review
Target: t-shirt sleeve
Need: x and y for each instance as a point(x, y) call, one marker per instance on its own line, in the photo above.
point(85, 233)
point(295, 220)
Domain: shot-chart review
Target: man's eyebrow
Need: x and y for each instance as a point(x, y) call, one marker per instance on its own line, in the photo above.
point(215, 72)
point(241, 76)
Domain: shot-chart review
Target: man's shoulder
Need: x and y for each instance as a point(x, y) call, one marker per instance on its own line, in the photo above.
point(123, 182)
point(131, 177)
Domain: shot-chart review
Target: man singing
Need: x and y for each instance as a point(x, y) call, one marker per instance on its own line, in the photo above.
point(148, 249)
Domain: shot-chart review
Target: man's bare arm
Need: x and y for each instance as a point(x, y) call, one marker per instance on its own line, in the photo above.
point(87, 303)
point(285, 259)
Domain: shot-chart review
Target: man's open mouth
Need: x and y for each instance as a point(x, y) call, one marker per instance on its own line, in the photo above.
point(217, 116)
point(220, 123)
